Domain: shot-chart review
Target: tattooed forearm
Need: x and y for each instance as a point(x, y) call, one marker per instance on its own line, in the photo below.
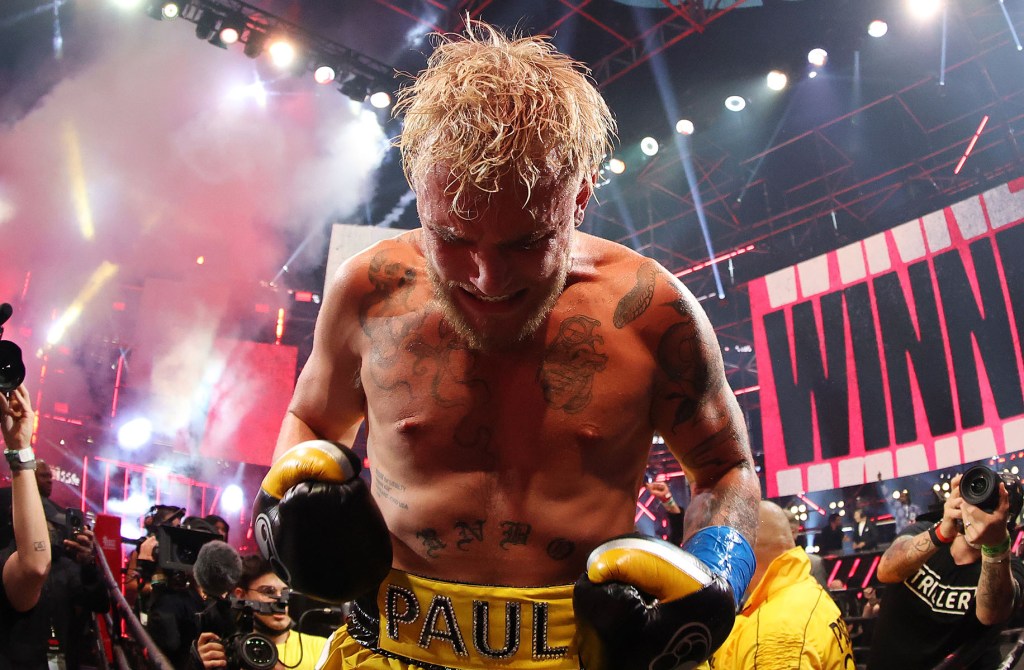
point(905, 556)
point(995, 590)
point(39, 546)
point(636, 302)
point(725, 505)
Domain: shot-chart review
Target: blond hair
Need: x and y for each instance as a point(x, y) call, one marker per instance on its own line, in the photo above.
point(488, 105)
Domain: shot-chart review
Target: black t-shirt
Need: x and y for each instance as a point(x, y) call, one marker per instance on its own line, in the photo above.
point(930, 615)
point(9, 616)
point(830, 540)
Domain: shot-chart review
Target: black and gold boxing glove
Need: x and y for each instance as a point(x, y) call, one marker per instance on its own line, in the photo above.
point(318, 525)
point(646, 604)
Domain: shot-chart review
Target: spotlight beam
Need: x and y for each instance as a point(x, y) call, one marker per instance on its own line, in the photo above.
point(942, 53)
point(1013, 31)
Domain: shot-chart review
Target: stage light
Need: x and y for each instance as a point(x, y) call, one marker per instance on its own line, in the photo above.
point(282, 53)
point(170, 10)
point(895, 495)
point(356, 87)
point(841, 503)
point(206, 26)
point(232, 499)
point(776, 80)
point(794, 509)
point(380, 100)
point(324, 74)
point(832, 505)
point(684, 127)
point(735, 103)
point(127, 4)
point(877, 28)
point(254, 44)
point(923, 9)
point(649, 146)
point(135, 433)
point(817, 57)
point(231, 30)
point(812, 74)
point(616, 166)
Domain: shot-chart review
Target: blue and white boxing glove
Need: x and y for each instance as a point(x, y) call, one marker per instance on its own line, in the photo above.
point(646, 604)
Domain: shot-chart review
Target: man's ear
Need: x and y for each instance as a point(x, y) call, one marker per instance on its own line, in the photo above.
point(583, 196)
point(239, 592)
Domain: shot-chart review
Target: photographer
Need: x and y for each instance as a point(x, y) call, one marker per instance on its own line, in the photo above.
point(52, 632)
point(259, 584)
point(959, 586)
point(26, 563)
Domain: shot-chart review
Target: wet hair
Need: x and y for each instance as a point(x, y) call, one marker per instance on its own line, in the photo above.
point(254, 566)
point(490, 105)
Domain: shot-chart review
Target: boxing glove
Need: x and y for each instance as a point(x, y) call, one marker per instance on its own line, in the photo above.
point(316, 522)
point(646, 604)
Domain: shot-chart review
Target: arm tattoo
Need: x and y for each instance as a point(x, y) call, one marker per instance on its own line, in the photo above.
point(570, 363)
point(39, 546)
point(994, 591)
point(683, 358)
point(636, 302)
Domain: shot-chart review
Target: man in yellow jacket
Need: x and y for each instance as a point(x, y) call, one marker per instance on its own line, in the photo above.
point(788, 620)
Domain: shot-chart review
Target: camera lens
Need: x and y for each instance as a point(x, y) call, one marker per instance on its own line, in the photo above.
point(257, 652)
point(980, 487)
point(12, 369)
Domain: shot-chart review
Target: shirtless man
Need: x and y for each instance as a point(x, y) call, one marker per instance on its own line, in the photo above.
point(513, 371)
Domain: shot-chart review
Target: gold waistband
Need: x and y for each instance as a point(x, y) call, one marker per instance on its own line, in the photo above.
point(469, 626)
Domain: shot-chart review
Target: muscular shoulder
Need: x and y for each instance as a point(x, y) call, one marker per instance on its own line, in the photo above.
point(644, 292)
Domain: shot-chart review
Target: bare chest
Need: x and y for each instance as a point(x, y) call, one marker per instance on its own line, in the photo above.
point(583, 387)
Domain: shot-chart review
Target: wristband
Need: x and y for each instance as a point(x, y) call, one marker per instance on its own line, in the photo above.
point(726, 553)
point(996, 550)
point(668, 501)
point(938, 539)
point(20, 459)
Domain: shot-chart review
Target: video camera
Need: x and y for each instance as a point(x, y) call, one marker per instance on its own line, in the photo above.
point(12, 367)
point(980, 487)
point(177, 548)
point(232, 619)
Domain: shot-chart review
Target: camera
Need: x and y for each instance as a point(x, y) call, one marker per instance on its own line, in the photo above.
point(178, 548)
point(980, 487)
point(232, 619)
point(12, 367)
point(74, 523)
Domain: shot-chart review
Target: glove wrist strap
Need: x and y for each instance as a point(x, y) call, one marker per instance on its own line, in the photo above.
point(726, 553)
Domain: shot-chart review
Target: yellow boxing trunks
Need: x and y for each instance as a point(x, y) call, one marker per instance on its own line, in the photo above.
point(416, 622)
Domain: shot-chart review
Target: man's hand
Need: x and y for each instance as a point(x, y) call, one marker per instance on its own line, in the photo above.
point(659, 490)
point(211, 651)
point(17, 419)
point(81, 548)
point(951, 512)
point(982, 528)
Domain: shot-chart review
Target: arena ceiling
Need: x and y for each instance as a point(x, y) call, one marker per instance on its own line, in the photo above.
point(871, 142)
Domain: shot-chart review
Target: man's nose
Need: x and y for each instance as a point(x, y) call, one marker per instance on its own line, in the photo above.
point(491, 271)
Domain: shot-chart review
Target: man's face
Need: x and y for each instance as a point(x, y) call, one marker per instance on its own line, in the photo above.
point(264, 589)
point(498, 269)
point(44, 479)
